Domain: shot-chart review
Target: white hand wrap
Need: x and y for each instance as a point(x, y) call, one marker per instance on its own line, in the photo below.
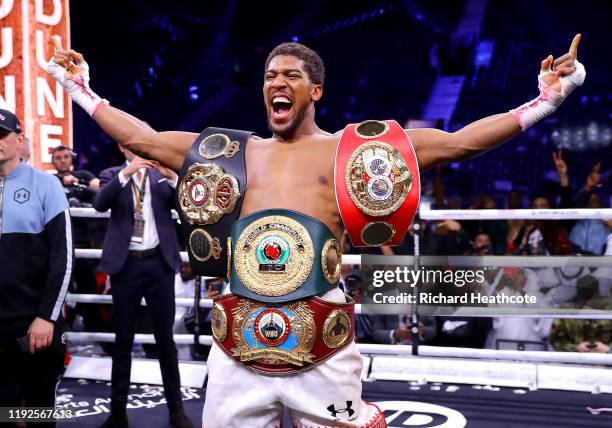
point(549, 100)
point(77, 86)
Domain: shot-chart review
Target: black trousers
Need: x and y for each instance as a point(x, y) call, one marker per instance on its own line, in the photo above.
point(152, 279)
point(31, 377)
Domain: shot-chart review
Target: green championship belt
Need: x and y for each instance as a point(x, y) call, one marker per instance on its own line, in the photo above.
point(281, 255)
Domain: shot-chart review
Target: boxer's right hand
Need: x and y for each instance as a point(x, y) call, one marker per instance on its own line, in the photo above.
point(69, 68)
point(67, 64)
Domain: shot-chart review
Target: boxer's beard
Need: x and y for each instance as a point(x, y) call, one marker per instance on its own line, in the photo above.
point(289, 131)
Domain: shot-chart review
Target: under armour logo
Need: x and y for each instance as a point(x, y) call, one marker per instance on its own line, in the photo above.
point(21, 195)
point(334, 412)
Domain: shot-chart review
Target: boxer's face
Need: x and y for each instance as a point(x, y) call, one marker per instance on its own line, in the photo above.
point(288, 94)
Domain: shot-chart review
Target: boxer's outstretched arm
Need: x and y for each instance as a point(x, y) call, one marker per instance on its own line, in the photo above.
point(168, 148)
point(557, 80)
point(72, 72)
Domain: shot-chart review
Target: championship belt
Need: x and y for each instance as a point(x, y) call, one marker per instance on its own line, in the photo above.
point(377, 182)
point(281, 255)
point(211, 188)
point(281, 339)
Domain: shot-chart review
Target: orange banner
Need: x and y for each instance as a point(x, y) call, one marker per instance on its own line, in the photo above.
point(40, 103)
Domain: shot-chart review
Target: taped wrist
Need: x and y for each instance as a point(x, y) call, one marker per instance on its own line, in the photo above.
point(549, 100)
point(77, 86)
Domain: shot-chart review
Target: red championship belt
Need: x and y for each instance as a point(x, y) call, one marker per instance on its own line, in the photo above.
point(281, 339)
point(377, 182)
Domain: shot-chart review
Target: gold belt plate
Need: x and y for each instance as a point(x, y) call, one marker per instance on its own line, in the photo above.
point(206, 193)
point(377, 178)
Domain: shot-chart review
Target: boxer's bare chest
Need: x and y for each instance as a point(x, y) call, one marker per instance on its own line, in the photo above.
point(298, 175)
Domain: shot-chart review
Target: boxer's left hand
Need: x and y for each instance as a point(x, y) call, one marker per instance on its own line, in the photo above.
point(564, 74)
point(557, 79)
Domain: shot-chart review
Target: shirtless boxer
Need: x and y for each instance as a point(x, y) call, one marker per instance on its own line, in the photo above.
point(297, 161)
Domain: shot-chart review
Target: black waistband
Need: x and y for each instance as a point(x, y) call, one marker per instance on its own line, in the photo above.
point(144, 254)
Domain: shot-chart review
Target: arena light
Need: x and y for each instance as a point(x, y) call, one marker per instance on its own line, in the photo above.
point(593, 136)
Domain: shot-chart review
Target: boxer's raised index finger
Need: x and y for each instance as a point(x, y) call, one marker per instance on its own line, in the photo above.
point(573, 50)
point(57, 42)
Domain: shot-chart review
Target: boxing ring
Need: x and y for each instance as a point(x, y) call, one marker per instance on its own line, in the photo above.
point(417, 386)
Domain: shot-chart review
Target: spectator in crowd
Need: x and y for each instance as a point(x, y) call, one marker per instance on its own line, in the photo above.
point(447, 237)
point(529, 240)
point(516, 332)
point(353, 283)
point(496, 229)
point(210, 288)
point(467, 332)
point(139, 194)
point(80, 188)
point(589, 236)
point(25, 152)
point(184, 286)
point(36, 261)
point(584, 335)
point(395, 329)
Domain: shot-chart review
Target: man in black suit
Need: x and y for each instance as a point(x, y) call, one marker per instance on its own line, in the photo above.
point(141, 256)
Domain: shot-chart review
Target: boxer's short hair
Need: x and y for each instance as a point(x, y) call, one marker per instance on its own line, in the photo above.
point(313, 64)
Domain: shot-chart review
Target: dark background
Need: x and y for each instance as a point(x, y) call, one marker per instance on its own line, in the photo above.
point(189, 64)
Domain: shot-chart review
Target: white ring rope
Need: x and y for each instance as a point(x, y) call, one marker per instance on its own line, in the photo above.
point(365, 348)
point(471, 261)
point(527, 214)
point(492, 261)
point(427, 214)
point(208, 303)
point(92, 213)
point(87, 253)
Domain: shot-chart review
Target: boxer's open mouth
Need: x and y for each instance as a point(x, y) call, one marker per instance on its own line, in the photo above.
point(281, 107)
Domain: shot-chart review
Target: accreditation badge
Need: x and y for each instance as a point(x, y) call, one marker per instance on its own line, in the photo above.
point(138, 230)
point(273, 256)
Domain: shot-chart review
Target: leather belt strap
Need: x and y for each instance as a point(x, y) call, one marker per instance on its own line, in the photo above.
point(281, 339)
point(377, 182)
point(211, 189)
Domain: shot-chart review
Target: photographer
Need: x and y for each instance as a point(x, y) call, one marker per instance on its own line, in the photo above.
point(80, 188)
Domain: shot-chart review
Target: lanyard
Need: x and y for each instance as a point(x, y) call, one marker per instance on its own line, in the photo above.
point(139, 193)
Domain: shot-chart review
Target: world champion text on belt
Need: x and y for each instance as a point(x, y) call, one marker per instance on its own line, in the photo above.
point(282, 255)
point(377, 182)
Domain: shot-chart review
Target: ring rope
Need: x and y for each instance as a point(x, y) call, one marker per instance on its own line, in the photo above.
point(427, 214)
point(366, 348)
